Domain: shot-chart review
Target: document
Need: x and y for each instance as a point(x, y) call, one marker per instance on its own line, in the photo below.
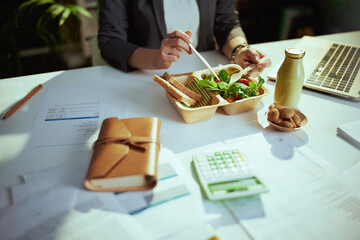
point(52, 221)
point(308, 198)
point(305, 201)
point(41, 213)
point(69, 119)
point(102, 225)
point(35, 182)
point(353, 173)
point(198, 231)
point(350, 132)
point(52, 201)
point(176, 202)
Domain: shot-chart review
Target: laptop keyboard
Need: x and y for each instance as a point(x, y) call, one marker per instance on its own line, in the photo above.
point(338, 68)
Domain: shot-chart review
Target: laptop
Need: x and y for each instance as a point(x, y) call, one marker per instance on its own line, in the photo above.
point(330, 67)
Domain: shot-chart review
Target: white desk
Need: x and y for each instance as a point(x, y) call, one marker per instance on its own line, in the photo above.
point(324, 112)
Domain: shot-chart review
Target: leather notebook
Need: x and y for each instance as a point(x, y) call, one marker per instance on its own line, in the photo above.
point(125, 155)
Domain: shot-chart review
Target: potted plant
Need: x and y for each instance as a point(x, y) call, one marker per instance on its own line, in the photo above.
point(46, 22)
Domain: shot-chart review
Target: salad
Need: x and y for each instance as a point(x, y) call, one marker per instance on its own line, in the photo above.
point(242, 88)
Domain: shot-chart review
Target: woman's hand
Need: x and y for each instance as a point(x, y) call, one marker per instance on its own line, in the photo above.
point(172, 46)
point(170, 51)
point(247, 56)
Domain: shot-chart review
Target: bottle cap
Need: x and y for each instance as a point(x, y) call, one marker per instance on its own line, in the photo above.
point(294, 52)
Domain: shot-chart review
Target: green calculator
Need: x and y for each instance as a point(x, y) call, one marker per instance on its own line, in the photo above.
point(225, 174)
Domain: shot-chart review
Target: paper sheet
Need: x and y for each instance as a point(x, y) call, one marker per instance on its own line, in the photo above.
point(46, 202)
point(353, 173)
point(103, 225)
point(304, 200)
point(69, 119)
point(198, 231)
point(70, 173)
point(216, 213)
point(350, 132)
point(179, 208)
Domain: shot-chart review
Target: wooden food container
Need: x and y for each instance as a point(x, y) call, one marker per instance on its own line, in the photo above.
point(212, 101)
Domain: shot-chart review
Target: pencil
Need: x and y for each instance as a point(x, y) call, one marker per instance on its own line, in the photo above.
point(22, 102)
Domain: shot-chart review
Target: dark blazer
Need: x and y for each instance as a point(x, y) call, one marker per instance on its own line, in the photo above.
point(125, 25)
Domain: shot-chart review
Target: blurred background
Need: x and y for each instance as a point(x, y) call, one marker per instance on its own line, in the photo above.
point(39, 36)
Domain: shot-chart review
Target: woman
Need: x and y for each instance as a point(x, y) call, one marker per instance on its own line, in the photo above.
point(143, 34)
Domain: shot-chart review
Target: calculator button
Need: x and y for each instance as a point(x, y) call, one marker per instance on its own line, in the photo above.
point(217, 171)
point(231, 165)
point(229, 161)
point(219, 158)
point(214, 167)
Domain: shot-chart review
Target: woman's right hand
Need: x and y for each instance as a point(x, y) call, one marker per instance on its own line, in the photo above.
point(172, 46)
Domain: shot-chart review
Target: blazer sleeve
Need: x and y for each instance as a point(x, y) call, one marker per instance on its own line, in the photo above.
point(113, 33)
point(227, 25)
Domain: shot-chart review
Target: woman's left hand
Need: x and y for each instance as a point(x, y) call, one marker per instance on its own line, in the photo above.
point(248, 56)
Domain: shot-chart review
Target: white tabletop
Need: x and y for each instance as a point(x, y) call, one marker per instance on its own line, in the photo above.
point(141, 96)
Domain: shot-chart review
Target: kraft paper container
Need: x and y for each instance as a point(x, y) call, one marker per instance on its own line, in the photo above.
point(201, 111)
point(246, 104)
point(238, 106)
point(205, 111)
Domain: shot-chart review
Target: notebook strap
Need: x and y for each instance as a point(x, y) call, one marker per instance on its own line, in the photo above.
point(132, 141)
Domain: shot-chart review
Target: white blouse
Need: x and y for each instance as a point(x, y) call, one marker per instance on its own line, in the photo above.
point(183, 15)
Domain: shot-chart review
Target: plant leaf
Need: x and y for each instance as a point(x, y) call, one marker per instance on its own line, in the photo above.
point(234, 88)
point(64, 16)
point(84, 12)
point(208, 84)
point(55, 10)
point(223, 85)
point(261, 81)
point(224, 76)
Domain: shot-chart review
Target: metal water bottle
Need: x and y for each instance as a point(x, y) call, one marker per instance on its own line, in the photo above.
point(290, 78)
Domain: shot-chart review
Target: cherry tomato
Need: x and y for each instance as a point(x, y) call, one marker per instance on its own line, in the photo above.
point(244, 81)
point(230, 99)
point(237, 97)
